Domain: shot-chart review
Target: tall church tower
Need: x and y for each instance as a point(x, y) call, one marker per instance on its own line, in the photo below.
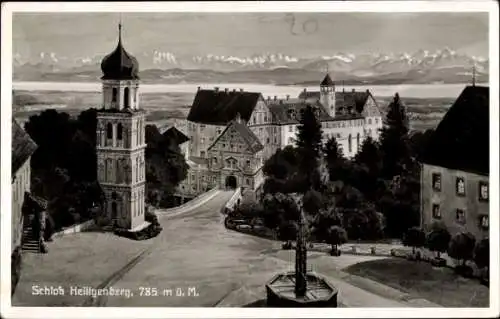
point(121, 140)
point(327, 94)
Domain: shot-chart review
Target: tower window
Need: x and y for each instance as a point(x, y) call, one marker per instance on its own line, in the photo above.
point(126, 96)
point(357, 141)
point(114, 95)
point(119, 131)
point(350, 143)
point(109, 132)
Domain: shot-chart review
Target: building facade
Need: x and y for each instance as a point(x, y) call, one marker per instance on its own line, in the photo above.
point(458, 198)
point(121, 141)
point(455, 168)
point(218, 120)
point(22, 149)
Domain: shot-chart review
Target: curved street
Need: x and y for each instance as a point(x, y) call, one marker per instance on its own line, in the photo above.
point(194, 256)
point(212, 266)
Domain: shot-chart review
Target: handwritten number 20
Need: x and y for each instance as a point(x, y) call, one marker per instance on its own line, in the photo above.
point(309, 26)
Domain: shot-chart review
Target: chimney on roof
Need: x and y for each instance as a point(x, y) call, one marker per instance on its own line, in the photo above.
point(241, 90)
point(305, 90)
point(216, 89)
point(275, 97)
point(268, 98)
point(367, 91)
point(281, 101)
point(234, 90)
point(287, 97)
point(238, 118)
point(353, 90)
point(199, 88)
point(226, 90)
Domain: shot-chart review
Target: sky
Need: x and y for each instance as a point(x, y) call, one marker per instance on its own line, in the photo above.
point(244, 34)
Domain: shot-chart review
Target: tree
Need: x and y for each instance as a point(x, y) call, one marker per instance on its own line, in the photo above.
point(369, 156)
point(279, 208)
point(166, 167)
point(482, 253)
point(287, 231)
point(334, 159)
point(394, 144)
point(336, 236)
point(438, 238)
point(415, 238)
point(309, 144)
point(419, 142)
point(322, 222)
point(461, 247)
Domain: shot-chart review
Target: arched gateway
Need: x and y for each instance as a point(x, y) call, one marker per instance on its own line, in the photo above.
point(231, 182)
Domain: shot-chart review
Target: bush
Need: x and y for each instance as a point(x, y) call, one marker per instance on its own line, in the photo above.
point(438, 239)
point(336, 236)
point(49, 228)
point(415, 238)
point(482, 253)
point(151, 217)
point(461, 247)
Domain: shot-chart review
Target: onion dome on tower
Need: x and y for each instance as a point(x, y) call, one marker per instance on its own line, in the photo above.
point(119, 64)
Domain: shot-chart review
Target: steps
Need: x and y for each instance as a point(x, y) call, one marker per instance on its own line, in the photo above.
point(29, 242)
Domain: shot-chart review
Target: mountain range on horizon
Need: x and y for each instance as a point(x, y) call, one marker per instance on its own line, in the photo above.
point(421, 67)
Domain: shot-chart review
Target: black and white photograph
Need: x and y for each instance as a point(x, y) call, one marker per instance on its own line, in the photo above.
point(169, 157)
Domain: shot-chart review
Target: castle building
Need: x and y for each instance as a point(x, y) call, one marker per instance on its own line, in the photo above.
point(233, 132)
point(454, 181)
point(121, 141)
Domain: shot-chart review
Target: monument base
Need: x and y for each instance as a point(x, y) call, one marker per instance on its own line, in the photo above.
point(319, 294)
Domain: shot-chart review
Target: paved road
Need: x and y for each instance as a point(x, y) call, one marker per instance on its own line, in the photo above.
point(213, 266)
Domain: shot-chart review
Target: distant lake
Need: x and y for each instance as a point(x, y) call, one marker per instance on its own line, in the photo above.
point(404, 90)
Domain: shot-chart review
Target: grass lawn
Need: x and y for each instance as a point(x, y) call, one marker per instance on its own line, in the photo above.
point(421, 280)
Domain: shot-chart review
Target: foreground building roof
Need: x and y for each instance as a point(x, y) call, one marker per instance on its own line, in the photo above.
point(22, 146)
point(220, 107)
point(461, 140)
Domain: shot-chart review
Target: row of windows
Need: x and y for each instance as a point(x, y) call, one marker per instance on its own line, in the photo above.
point(119, 131)
point(230, 162)
point(460, 216)
point(126, 97)
point(460, 186)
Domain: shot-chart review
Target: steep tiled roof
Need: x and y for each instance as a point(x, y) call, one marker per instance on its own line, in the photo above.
point(220, 107)
point(22, 146)
point(285, 113)
point(176, 135)
point(310, 95)
point(327, 81)
point(461, 140)
point(355, 100)
point(248, 136)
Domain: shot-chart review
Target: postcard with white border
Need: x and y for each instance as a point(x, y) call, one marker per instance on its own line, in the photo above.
point(249, 159)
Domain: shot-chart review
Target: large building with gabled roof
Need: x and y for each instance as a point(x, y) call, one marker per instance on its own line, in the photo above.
point(454, 185)
point(222, 122)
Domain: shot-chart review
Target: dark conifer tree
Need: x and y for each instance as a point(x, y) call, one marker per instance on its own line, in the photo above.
point(394, 141)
